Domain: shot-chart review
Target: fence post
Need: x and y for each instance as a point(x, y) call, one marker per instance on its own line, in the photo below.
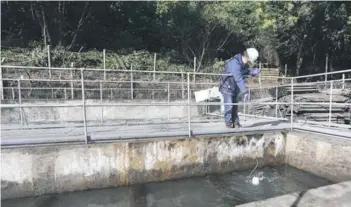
point(249, 106)
point(292, 104)
point(49, 61)
point(330, 102)
point(72, 91)
point(286, 70)
point(259, 80)
point(182, 84)
point(1, 85)
point(20, 100)
point(102, 108)
point(194, 69)
point(52, 94)
point(13, 93)
point(154, 66)
point(326, 70)
point(245, 112)
point(343, 81)
point(168, 100)
point(104, 57)
point(84, 109)
point(131, 82)
point(65, 91)
point(189, 96)
point(276, 102)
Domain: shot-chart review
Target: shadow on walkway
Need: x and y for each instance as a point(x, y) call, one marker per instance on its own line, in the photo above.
point(272, 123)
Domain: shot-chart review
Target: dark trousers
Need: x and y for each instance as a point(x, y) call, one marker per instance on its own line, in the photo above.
point(230, 111)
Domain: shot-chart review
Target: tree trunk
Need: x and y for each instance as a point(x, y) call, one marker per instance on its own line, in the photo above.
point(299, 59)
point(80, 23)
point(45, 25)
point(62, 16)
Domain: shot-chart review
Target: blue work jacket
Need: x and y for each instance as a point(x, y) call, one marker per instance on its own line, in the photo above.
point(232, 80)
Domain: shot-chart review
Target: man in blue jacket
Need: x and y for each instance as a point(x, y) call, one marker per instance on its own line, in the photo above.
point(232, 83)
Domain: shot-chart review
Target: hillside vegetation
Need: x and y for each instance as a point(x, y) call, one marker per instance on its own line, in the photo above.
point(299, 34)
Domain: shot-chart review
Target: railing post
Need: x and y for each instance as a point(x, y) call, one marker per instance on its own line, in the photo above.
point(194, 78)
point(260, 81)
point(65, 92)
point(104, 59)
point(155, 67)
point(292, 104)
point(1, 85)
point(102, 108)
point(49, 61)
point(84, 109)
point(330, 102)
point(72, 91)
point(189, 96)
point(244, 112)
point(13, 93)
point(183, 85)
point(20, 100)
point(276, 102)
point(131, 82)
point(343, 81)
point(249, 106)
point(326, 70)
point(168, 101)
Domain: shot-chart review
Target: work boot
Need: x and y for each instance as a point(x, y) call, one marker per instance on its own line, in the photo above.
point(237, 125)
point(230, 126)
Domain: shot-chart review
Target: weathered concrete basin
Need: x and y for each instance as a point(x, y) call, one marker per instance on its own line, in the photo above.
point(55, 169)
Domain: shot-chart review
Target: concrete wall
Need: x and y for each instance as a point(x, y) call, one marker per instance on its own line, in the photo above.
point(55, 169)
point(324, 156)
point(70, 114)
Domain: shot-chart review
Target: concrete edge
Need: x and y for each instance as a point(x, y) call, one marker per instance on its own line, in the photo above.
point(64, 141)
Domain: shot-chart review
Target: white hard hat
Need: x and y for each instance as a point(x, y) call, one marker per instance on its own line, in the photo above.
point(252, 53)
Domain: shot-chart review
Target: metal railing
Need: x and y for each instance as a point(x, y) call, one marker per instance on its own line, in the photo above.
point(186, 87)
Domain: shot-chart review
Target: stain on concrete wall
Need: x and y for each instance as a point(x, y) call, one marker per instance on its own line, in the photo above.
point(41, 170)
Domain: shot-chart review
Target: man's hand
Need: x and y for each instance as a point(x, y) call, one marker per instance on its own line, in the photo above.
point(246, 98)
point(255, 72)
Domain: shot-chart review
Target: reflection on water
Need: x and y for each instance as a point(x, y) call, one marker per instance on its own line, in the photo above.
point(213, 190)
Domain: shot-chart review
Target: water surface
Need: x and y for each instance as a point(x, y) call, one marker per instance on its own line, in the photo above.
point(214, 190)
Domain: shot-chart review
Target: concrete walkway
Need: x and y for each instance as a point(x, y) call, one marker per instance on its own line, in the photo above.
point(57, 133)
point(12, 134)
